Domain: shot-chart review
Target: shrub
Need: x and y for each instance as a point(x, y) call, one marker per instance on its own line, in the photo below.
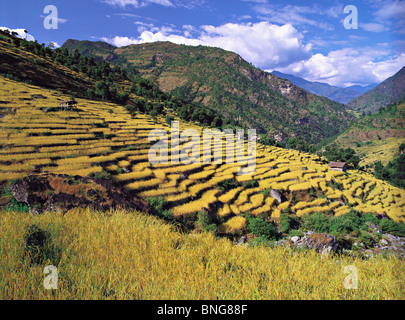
point(251, 184)
point(390, 226)
point(39, 247)
point(352, 223)
point(204, 222)
point(367, 239)
point(259, 241)
point(346, 223)
point(317, 222)
point(294, 233)
point(262, 228)
point(169, 119)
point(153, 114)
point(288, 222)
point(227, 185)
point(370, 217)
point(158, 206)
point(101, 175)
point(100, 124)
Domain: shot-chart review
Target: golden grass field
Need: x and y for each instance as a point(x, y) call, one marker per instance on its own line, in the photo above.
point(94, 139)
point(129, 255)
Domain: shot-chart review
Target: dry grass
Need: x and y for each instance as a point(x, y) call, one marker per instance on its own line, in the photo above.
point(88, 141)
point(133, 256)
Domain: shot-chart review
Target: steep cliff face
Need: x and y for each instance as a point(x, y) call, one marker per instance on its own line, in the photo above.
point(286, 88)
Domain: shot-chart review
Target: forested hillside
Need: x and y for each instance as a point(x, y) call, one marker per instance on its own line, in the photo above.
point(392, 90)
point(224, 82)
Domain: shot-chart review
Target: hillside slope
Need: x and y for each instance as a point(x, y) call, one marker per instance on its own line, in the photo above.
point(392, 90)
point(376, 137)
point(102, 139)
point(225, 82)
point(18, 63)
point(341, 95)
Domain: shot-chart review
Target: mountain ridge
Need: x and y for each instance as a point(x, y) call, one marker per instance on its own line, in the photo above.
point(225, 82)
point(391, 90)
point(338, 94)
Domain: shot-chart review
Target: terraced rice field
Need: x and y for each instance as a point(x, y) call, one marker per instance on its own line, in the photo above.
point(94, 139)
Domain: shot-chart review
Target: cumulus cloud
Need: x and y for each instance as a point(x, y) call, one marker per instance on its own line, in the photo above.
point(348, 66)
point(23, 35)
point(20, 33)
point(263, 44)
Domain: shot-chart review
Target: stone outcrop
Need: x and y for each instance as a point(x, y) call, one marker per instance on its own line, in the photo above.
point(61, 193)
point(276, 195)
point(322, 242)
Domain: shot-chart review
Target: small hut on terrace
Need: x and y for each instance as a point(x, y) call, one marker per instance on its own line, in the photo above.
point(338, 166)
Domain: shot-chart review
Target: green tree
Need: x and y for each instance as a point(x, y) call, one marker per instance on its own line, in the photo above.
point(348, 155)
point(101, 89)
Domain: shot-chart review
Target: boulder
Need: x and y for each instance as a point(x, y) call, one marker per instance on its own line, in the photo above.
point(276, 195)
point(295, 239)
point(322, 242)
point(31, 191)
point(61, 193)
point(384, 242)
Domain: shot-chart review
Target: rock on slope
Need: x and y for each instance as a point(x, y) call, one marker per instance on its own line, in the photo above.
point(61, 193)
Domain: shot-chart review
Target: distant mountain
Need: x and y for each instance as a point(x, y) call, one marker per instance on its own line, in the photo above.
point(392, 90)
point(342, 95)
point(364, 89)
point(223, 81)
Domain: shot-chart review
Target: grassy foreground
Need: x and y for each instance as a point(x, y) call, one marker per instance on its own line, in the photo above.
point(124, 255)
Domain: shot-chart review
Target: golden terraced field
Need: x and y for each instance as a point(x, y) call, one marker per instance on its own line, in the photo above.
point(104, 137)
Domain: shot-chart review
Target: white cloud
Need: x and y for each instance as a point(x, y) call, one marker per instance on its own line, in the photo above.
point(263, 44)
point(391, 9)
point(189, 4)
point(314, 15)
point(138, 3)
point(348, 66)
point(60, 20)
point(373, 27)
point(392, 13)
point(21, 33)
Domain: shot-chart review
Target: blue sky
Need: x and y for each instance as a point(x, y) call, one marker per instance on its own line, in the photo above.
point(307, 39)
